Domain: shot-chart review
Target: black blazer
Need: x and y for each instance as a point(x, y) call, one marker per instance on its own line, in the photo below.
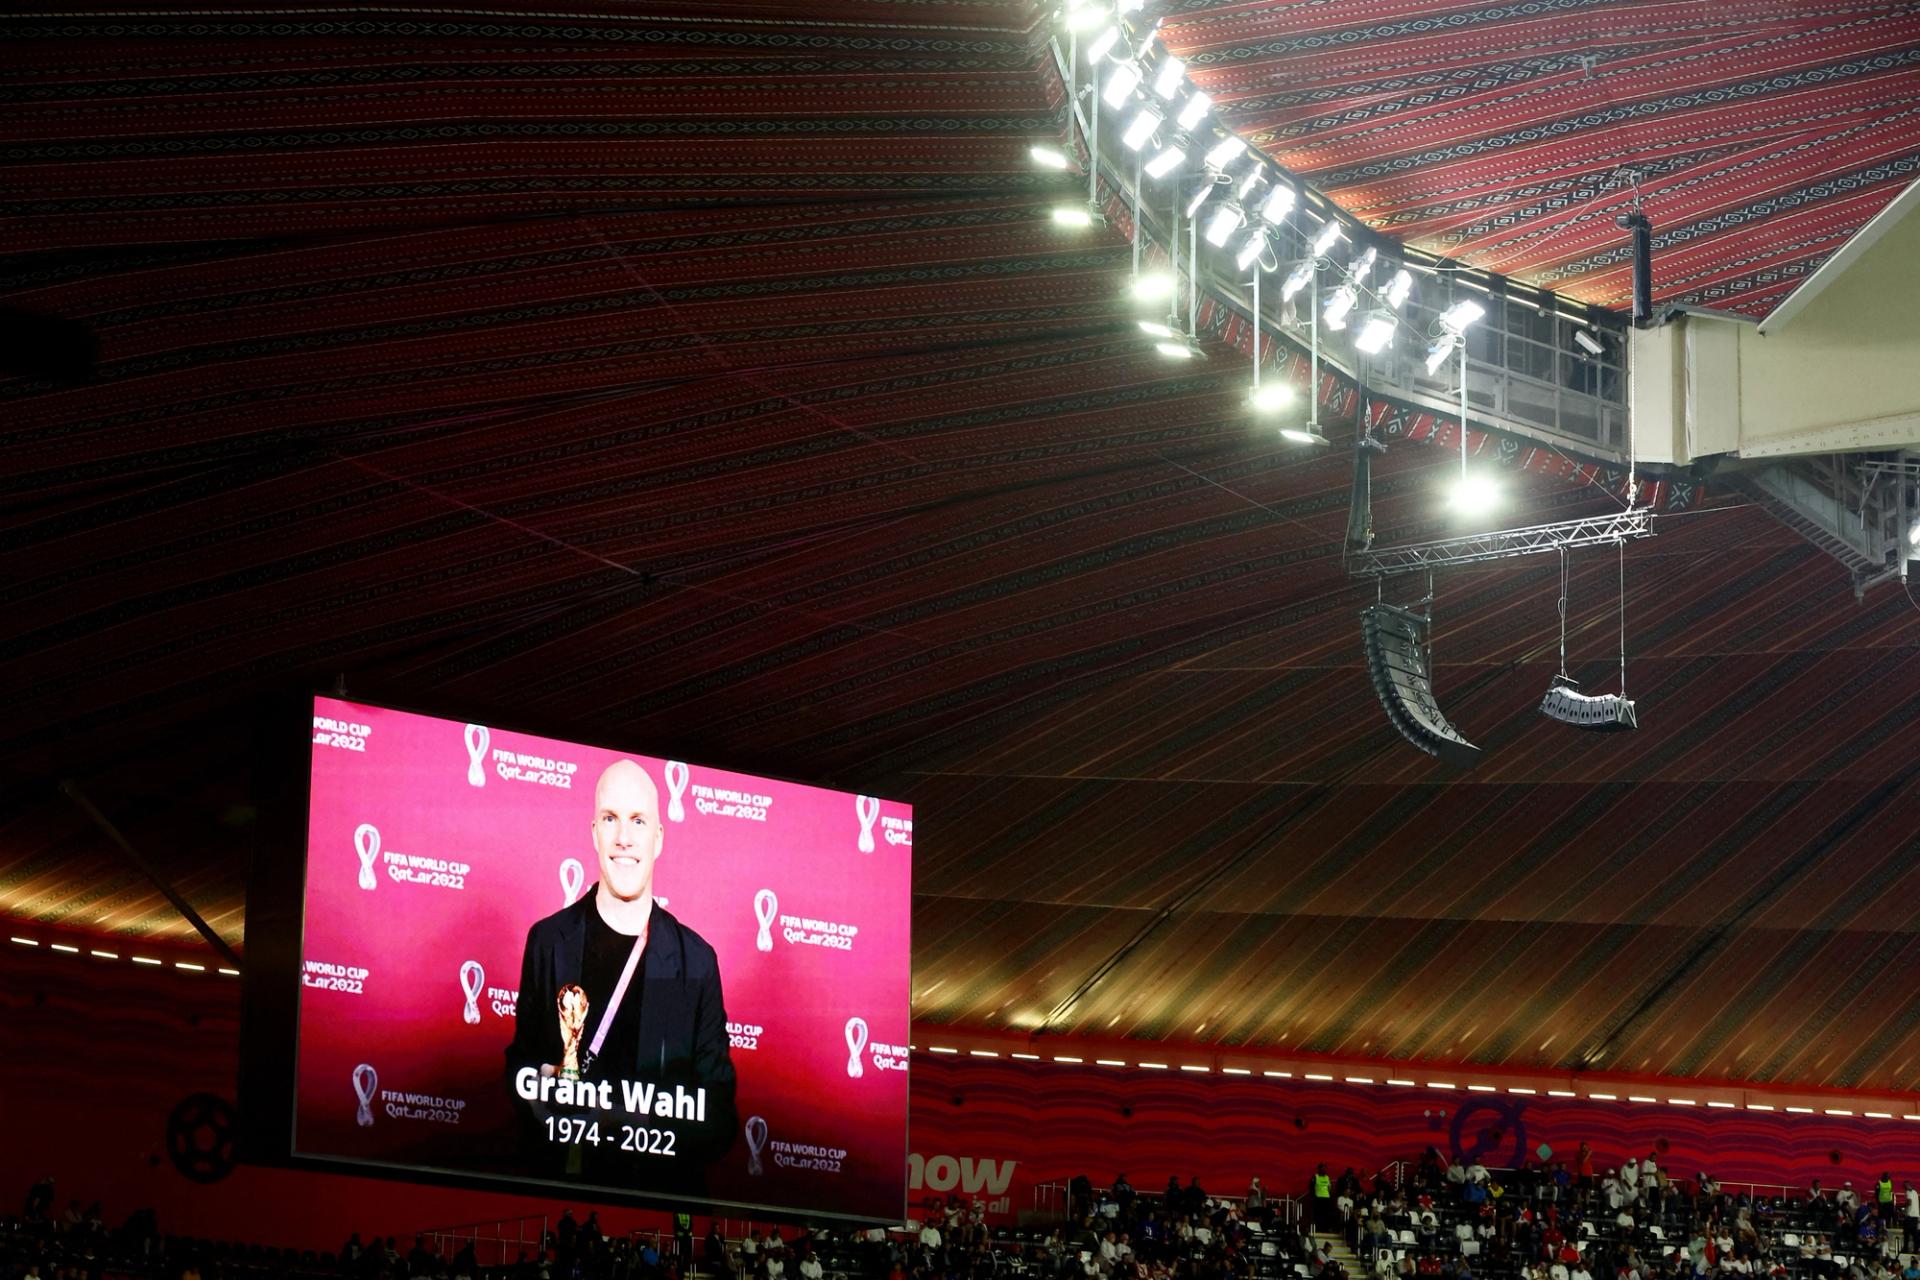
point(683, 1023)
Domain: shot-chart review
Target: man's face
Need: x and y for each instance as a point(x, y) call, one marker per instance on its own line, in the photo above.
point(626, 829)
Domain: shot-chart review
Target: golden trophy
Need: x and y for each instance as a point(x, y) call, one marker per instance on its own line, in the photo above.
point(573, 1024)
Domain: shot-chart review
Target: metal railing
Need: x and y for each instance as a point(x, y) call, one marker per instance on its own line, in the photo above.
point(497, 1243)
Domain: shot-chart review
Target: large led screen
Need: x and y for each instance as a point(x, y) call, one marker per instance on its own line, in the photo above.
point(542, 961)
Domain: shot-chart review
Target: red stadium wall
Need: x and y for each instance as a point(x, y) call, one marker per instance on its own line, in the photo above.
point(94, 1056)
point(1052, 1122)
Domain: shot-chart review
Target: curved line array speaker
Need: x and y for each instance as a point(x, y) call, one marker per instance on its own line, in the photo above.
point(1606, 712)
point(1395, 642)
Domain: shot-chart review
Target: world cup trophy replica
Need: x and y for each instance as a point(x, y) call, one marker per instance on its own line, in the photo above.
point(573, 1024)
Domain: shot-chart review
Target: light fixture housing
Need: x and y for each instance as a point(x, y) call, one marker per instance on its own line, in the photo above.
point(1297, 279)
point(1441, 350)
point(1250, 250)
point(1226, 151)
point(1168, 79)
point(1152, 286)
point(1177, 350)
point(1361, 266)
point(1073, 215)
point(1376, 332)
point(1154, 329)
point(1334, 314)
point(1165, 161)
point(1102, 45)
point(1194, 110)
point(1121, 82)
point(1226, 220)
point(1588, 343)
point(1050, 157)
point(1139, 130)
point(1201, 195)
point(1474, 494)
point(1398, 288)
point(1330, 235)
point(1086, 17)
point(1270, 397)
point(1304, 435)
point(1278, 204)
point(1457, 317)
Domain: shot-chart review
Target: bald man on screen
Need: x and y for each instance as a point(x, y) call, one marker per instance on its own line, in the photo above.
point(616, 993)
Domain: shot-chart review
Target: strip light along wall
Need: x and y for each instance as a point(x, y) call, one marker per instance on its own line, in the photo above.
point(1444, 1086)
point(96, 953)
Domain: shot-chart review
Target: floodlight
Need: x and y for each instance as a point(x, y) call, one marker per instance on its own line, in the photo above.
point(1605, 712)
point(1175, 350)
point(1278, 204)
point(1050, 157)
point(1194, 111)
point(1226, 151)
point(1588, 343)
point(1304, 435)
point(1121, 82)
point(1395, 643)
point(1342, 301)
point(1438, 353)
point(1248, 183)
point(1913, 534)
point(1087, 17)
point(1329, 236)
point(1457, 317)
point(1474, 493)
point(1153, 286)
point(1375, 333)
point(1073, 215)
point(1132, 6)
point(1297, 279)
point(1165, 161)
point(1102, 45)
point(1140, 129)
point(1250, 250)
point(1155, 329)
point(1398, 288)
point(1172, 74)
point(1271, 397)
point(1225, 221)
point(1200, 196)
point(1357, 272)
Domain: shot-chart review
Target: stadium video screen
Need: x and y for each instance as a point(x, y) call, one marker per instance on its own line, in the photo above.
point(532, 960)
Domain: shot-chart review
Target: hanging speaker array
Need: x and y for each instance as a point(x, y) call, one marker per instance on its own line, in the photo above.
point(1395, 642)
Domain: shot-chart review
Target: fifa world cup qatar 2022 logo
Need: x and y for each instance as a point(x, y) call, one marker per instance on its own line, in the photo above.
point(365, 1081)
point(867, 809)
point(573, 878)
point(765, 907)
point(366, 843)
point(473, 979)
point(856, 1041)
point(756, 1133)
point(477, 738)
point(678, 775)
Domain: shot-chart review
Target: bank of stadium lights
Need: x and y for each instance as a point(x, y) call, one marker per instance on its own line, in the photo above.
point(1376, 332)
point(1452, 327)
point(1250, 251)
point(1103, 44)
point(1152, 286)
point(1166, 160)
point(1121, 82)
point(1225, 152)
point(1169, 78)
point(1278, 204)
point(1340, 305)
point(1050, 157)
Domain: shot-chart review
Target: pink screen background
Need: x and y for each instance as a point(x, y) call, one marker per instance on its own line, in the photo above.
point(411, 780)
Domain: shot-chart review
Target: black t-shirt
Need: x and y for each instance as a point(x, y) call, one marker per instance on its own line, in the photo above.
point(600, 968)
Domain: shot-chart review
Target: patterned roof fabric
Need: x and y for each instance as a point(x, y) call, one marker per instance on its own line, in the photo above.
point(1509, 136)
point(718, 384)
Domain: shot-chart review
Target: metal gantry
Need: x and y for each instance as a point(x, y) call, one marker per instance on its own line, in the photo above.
point(1500, 544)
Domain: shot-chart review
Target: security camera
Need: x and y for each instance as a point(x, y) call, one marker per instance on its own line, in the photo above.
point(1588, 343)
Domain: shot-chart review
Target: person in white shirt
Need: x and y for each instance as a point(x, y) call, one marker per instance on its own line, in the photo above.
point(1630, 1177)
point(1580, 1272)
point(775, 1267)
point(1476, 1172)
point(1611, 1187)
point(810, 1268)
point(1558, 1271)
point(929, 1235)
